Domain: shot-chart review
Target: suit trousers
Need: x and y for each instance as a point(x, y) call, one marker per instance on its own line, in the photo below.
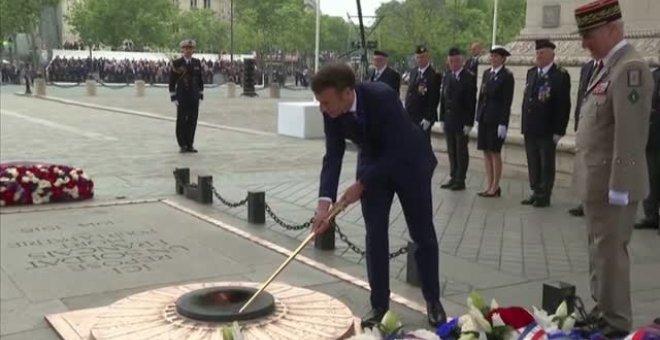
point(414, 192)
point(459, 157)
point(609, 229)
point(652, 202)
point(186, 123)
point(541, 153)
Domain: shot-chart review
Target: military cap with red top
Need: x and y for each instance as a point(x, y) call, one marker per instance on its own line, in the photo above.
point(596, 14)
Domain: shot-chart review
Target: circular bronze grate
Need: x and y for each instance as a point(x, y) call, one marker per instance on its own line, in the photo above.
point(297, 313)
point(221, 304)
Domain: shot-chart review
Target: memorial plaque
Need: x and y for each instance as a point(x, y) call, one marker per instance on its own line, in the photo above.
point(88, 250)
point(551, 16)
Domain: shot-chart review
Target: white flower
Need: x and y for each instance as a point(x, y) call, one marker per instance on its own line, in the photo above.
point(2, 189)
point(497, 320)
point(5, 179)
point(367, 334)
point(44, 184)
point(569, 323)
point(468, 336)
point(74, 175)
point(543, 320)
point(2, 203)
point(463, 319)
point(469, 326)
point(13, 172)
point(479, 319)
point(73, 192)
point(36, 199)
point(493, 304)
point(423, 334)
point(562, 310)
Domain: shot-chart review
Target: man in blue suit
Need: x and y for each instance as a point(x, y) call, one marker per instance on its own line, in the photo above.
point(394, 157)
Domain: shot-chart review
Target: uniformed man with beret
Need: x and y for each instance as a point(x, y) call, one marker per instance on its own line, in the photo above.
point(186, 90)
point(384, 73)
point(423, 93)
point(458, 100)
point(546, 110)
point(610, 173)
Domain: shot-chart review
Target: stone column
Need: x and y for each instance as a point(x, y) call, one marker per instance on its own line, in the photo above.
point(40, 84)
point(139, 88)
point(231, 89)
point(90, 85)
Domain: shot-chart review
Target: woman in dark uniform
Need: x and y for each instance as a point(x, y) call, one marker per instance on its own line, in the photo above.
point(493, 113)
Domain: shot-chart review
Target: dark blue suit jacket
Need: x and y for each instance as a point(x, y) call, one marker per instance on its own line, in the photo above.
point(389, 143)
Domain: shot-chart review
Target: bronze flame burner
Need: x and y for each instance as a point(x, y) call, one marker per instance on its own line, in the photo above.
point(222, 304)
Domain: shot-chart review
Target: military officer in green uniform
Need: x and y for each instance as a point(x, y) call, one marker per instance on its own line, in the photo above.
point(610, 173)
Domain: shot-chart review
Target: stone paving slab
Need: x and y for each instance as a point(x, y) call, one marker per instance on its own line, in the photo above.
point(94, 256)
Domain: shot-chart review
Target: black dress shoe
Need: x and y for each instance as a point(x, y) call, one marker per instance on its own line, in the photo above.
point(529, 201)
point(497, 193)
point(646, 224)
point(448, 184)
point(191, 149)
point(183, 150)
point(372, 318)
point(577, 211)
point(458, 186)
point(436, 314)
point(541, 203)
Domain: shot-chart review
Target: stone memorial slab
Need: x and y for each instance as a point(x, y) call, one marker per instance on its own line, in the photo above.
point(82, 251)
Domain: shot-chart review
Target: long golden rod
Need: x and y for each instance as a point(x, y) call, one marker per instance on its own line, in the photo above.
point(336, 209)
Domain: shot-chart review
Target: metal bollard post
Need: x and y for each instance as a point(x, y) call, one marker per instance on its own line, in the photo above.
point(274, 90)
point(205, 184)
point(181, 179)
point(325, 241)
point(412, 274)
point(90, 85)
point(139, 87)
point(256, 207)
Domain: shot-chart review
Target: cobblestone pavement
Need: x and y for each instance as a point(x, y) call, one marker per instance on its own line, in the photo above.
point(494, 245)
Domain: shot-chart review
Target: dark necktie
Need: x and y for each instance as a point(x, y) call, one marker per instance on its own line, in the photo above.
point(351, 127)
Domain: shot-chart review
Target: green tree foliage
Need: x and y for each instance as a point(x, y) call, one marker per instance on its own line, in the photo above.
point(203, 25)
point(442, 24)
point(21, 16)
point(110, 22)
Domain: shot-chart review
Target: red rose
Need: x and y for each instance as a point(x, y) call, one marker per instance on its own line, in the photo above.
point(516, 317)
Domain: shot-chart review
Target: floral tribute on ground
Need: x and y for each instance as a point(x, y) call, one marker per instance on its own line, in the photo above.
point(38, 183)
point(492, 322)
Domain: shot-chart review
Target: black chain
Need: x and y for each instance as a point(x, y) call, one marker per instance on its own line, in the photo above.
point(228, 203)
point(286, 225)
point(361, 252)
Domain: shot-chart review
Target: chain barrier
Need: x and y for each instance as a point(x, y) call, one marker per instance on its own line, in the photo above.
point(293, 227)
point(113, 87)
point(356, 249)
point(228, 203)
point(68, 86)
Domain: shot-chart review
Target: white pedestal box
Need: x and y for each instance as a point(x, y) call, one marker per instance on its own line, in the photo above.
point(300, 119)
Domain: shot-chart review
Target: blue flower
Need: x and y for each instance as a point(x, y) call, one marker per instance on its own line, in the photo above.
point(446, 330)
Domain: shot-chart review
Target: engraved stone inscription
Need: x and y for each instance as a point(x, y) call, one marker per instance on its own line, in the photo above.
point(551, 16)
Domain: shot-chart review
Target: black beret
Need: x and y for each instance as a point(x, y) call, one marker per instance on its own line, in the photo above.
point(455, 51)
point(421, 49)
point(501, 50)
point(380, 53)
point(545, 43)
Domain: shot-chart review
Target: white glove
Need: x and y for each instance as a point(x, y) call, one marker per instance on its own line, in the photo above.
point(618, 198)
point(425, 124)
point(556, 138)
point(442, 126)
point(501, 131)
point(467, 129)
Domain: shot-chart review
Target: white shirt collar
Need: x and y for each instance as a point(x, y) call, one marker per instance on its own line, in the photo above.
point(422, 70)
point(381, 70)
point(458, 72)
point(546, 68)
point(354, 106)
point(614, 49)
point(497, 70)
